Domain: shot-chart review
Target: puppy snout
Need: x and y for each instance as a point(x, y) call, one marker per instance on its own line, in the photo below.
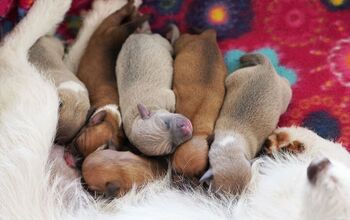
point(315, 168)
point(185, 126)
point(69, 158)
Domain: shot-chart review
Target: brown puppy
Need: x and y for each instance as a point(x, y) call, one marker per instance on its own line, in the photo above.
point(97, 71)
point(199, 86)
point(115, 173)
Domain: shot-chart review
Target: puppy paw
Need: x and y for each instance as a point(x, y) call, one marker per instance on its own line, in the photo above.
point(282, 141)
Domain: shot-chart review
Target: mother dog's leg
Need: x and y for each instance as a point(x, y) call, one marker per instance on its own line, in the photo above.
point(28, 118)
point(101, 9)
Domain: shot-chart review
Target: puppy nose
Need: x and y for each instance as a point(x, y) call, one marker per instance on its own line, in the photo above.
point(315, 168)
point(185, 126)
point(69, 158)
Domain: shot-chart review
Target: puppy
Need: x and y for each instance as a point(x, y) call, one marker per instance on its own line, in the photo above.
point(96, 70)
point(144, 76)
point(255, 98)
point(115, 173)
point(199, 86)
point(46, 55)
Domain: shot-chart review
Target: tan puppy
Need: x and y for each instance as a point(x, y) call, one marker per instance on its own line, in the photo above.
point(199, 86)
point(145, 72)
point(115, 172)
point(255, 98)
point(46, 54)
point(97, 71)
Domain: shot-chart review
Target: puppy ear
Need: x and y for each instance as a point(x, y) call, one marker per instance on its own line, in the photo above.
point(90, 112)
point(97, 118)
point(144, 112)
point(207, 176)
point(173, 33)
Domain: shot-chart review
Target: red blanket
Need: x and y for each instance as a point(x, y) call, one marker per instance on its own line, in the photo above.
point(308, 41)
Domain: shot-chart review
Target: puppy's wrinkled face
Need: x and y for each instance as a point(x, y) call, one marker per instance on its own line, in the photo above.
point(74, 107)
point(328, 190)
point(97, 133)
point(159, 133)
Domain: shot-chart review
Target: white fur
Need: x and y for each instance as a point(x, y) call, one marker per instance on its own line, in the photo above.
point(100, 10)
point(226, 140)
point(113, 109)
point(71, 85)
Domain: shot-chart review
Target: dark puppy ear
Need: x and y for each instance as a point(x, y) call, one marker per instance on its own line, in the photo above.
point(90, 112)
point(143, 111)
point(98, 118)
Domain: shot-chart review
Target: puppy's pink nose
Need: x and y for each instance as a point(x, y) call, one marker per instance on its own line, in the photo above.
point(69, 158)
point(315, 168)
point(186, 127)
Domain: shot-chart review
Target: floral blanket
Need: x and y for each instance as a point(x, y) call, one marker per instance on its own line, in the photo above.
point(308, 42)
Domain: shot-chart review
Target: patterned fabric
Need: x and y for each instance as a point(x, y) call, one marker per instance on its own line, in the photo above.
point(308, 42)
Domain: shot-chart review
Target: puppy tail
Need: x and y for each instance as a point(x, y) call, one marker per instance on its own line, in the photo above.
point(41, 19)
point(253, 59)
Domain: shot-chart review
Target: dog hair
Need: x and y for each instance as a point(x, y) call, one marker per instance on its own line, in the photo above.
point(199, 87)
point(47, 54)
point(144, 75)
point(28, 114)
point(97, 71)
point(255, 98)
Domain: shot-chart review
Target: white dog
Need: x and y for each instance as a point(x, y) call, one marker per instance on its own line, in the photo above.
point(305, 186)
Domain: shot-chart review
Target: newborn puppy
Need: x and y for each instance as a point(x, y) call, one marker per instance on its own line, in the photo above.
point(199, 86)
point(255, 98)
point(144, 76)
point(96, 70)
point(46, 55)
point(115, 173)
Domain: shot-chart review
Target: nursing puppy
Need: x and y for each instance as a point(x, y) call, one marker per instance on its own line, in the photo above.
point(114, 173)
point(199, 86)
point(144, 76)
point(97, 71)
point(46, 55)
point(255, 98)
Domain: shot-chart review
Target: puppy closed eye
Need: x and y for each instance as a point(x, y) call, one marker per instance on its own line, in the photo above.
point(60, 105)
point(167, 124)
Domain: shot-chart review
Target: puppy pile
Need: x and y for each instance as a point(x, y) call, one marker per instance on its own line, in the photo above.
point(147, 112)
point(147, 99)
